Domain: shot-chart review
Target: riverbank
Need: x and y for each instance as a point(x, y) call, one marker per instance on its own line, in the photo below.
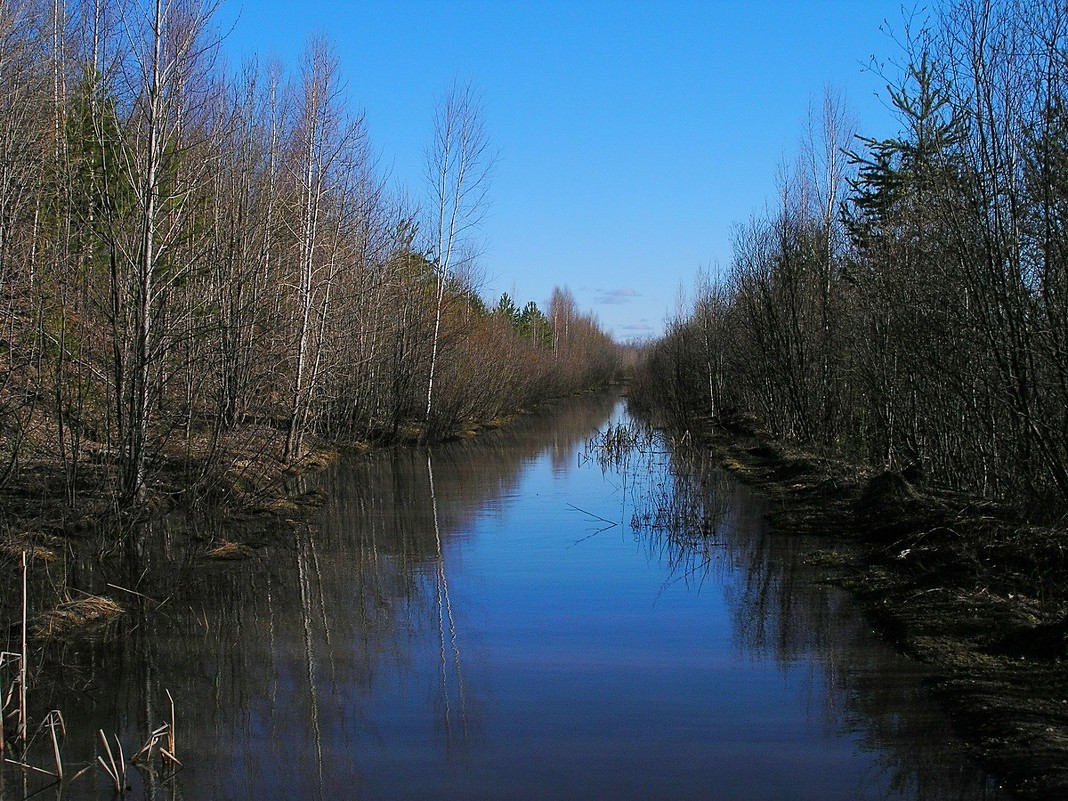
point(240, 473)
point(240, 481)
point(959, 583)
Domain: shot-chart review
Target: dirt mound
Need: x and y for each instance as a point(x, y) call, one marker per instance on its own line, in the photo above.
point(886, 492)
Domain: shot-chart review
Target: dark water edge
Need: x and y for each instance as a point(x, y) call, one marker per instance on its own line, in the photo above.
point(506, 617)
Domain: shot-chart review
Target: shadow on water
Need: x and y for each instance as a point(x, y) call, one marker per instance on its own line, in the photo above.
point(336, 663)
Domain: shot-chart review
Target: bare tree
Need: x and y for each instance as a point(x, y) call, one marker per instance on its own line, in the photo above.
point(324, 154)
point(160, 84)
point(24, 143)
point(458, 165)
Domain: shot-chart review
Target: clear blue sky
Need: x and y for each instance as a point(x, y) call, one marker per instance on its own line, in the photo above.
point(631, 135)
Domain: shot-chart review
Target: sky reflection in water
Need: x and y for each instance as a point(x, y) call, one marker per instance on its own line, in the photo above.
point(466, 623)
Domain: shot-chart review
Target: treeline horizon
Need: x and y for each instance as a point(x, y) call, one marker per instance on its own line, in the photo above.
point(188, 251)
point(904, 302)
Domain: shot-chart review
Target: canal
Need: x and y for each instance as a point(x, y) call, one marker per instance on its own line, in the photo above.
point(567, 608)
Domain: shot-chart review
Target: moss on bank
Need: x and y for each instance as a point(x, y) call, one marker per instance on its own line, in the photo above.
point(959, 583)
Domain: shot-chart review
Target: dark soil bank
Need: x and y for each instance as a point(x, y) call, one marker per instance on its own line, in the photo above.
point(961, 584)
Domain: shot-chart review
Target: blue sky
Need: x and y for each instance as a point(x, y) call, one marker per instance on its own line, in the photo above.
point(632, 136)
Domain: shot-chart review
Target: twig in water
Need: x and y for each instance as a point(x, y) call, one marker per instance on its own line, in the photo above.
point(132, 592)
point(611, 523)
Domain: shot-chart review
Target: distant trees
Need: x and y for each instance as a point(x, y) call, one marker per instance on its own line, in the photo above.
point(911, 307)
point(191, 256)
point(528, 322)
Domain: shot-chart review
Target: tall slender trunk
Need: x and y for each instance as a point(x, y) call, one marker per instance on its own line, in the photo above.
point(134, 478)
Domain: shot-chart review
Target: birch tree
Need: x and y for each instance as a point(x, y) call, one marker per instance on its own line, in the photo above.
point(162, 88)
point(458, 166)
point(325, 142)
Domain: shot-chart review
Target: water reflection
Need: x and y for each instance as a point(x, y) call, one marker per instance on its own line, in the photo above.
point(700, 524)
point(452, 675)
point(516, 616)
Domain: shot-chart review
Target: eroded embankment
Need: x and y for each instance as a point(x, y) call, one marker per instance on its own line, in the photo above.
point(961, 584)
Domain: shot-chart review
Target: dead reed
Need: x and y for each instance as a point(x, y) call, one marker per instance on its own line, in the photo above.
point(74, 614)
point(229, 550)
point(66, 617)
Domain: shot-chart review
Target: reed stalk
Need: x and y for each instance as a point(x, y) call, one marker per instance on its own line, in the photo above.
point(54, 721)
point(81, 773)
point(145, 754)
point(6, 698)
point(2, 704)
point(117, 777)
point(111, 774)
point(122, 758)
point(172, 747)
point(29, 767)
point(23, 716)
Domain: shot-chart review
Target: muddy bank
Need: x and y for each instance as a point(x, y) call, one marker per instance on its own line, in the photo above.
point(962, 584)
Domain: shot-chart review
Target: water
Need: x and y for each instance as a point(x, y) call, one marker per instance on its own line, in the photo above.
point(509, 618)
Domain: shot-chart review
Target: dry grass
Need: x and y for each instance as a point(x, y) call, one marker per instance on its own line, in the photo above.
point(16, 546)
point(229, 550)
point(71, 616)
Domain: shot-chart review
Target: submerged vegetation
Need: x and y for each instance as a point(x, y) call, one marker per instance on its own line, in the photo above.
point(886, 354)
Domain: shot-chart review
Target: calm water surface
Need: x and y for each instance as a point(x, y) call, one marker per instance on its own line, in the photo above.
point(513, 617)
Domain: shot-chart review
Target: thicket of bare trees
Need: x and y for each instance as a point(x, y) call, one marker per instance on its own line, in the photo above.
point(189, 253)
point(907, 300)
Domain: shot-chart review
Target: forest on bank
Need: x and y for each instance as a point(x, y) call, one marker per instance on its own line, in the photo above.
point(201, 263)
point(904, 301)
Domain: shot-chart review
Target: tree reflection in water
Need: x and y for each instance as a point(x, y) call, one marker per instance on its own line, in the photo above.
point(347, 660)
point(275, 662)
point(697, 521)
point(452, 680)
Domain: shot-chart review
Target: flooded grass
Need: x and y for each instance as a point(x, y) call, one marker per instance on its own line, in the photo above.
point(679, 500)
